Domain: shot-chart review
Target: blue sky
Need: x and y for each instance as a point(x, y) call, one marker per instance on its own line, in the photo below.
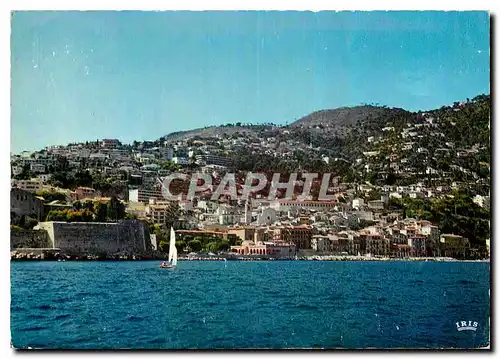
point(79, 76)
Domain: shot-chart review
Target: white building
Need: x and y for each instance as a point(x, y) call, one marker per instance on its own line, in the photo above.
point(98, 156)
point(167, 153)
point(482, 201)
point(145, 157)
point(37, 168)
point(266, 217)
point(180, 160)
point(358, 203)
point(44, 178)
point(286, 205)
point(32, 186)
point(143, 195)
point(16, 170)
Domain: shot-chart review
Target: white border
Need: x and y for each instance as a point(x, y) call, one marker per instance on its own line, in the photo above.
point(314, 5)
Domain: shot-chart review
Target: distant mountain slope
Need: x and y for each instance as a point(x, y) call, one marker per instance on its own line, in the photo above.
point(334, 120)
point(342, 116)
point(211, 131)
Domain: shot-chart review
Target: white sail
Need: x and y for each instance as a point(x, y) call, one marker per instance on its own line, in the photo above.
point(174, 257)
point(172, 252)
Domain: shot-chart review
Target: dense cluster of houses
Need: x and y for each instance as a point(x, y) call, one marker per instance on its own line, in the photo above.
point(348, 224)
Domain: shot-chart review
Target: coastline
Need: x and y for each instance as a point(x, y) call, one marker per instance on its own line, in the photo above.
point(26, 255)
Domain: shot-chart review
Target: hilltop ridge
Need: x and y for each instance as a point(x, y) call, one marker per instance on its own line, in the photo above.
point(336, 120)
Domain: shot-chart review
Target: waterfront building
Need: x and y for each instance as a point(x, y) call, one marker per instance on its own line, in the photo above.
point(298, 235)
point(321, 243)
point(373, 243)
point(417, 245)
point(244, 233)
point(278, 249)
point(349, 242)
point(400, 250)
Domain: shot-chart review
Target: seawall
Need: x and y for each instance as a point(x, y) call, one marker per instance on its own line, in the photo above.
point(90, 238)
point(25, 238)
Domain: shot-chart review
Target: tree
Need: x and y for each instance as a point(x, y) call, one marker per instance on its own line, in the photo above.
point(195, 245)
point(25, 173)
point(83, 178)
point(173, 214)
point(62, 179)
point(162, 245)
point(100, 212)
point(212, 247)
point(62, 163)
point(180, 245)
point(115, 210)
point(57, 215)
point(29, 223)
point(224, 246)
point(50, 196)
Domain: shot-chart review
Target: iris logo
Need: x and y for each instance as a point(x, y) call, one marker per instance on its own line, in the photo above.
point(464, 325)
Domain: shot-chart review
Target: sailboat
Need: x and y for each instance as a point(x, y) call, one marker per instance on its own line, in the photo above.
point(172, 252)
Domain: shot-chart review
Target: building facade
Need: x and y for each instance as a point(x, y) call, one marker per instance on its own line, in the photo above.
point(24, 203)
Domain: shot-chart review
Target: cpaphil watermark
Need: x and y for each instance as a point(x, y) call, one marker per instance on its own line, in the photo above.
point(466, 325)
point(253, 183)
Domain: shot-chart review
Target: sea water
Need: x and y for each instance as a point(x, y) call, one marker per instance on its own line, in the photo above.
point(272, 304)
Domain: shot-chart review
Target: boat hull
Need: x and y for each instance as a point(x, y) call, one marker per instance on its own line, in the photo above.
point(167, 266)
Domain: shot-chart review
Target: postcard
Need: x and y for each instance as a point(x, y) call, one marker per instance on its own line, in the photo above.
point(222, 180)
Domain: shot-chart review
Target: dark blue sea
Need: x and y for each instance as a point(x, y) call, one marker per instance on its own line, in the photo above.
point(277, 304)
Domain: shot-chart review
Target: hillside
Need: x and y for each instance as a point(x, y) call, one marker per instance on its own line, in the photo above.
point(340, 117)
point(214, 131)
point(336, 121)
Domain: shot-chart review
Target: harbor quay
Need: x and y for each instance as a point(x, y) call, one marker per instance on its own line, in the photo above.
point(54, 254)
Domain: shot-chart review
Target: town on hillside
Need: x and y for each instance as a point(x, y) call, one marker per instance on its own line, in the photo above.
point(403, 185)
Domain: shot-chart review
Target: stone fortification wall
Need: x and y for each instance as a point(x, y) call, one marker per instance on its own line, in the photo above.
point(98, 238)
point(23, 238)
